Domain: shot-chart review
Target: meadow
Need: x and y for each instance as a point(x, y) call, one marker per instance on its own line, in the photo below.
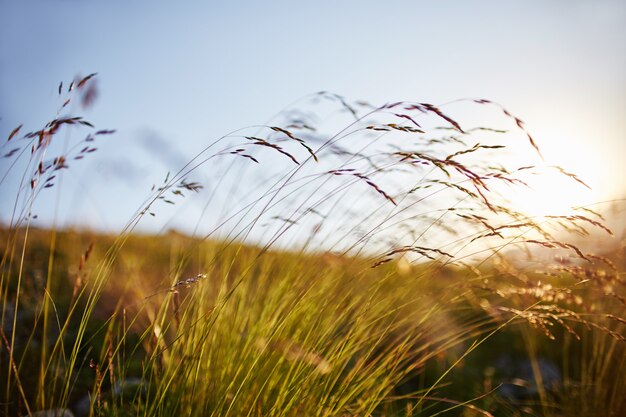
point(349, 260)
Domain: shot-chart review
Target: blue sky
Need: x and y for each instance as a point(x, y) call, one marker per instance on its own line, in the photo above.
point(178, 74)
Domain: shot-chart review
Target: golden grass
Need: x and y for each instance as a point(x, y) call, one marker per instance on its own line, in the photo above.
point(369, 271)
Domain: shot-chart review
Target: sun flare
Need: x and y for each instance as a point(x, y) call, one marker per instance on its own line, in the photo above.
point(568, 177)
point(553, 193)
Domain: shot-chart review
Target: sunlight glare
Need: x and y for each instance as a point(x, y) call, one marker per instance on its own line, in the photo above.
point(552, 192)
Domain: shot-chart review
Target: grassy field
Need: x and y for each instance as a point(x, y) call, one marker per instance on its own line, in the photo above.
point(383, 275)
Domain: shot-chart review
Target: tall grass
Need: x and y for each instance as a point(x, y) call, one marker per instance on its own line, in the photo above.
point(350, 260)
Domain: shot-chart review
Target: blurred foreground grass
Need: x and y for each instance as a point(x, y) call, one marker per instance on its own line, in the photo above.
point(194, 327)
point(374, 267)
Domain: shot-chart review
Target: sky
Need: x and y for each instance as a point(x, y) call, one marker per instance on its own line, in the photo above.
point(172, 76)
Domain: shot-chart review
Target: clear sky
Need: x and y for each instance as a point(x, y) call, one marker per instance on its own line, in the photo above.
point(174, 75)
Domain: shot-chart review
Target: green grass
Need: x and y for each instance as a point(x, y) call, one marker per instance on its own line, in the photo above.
point(367, 271)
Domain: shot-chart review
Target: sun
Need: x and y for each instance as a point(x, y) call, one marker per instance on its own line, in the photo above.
point(551, 193)
point(553, 190)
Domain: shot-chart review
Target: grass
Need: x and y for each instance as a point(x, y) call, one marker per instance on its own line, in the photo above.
point(351, 260)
